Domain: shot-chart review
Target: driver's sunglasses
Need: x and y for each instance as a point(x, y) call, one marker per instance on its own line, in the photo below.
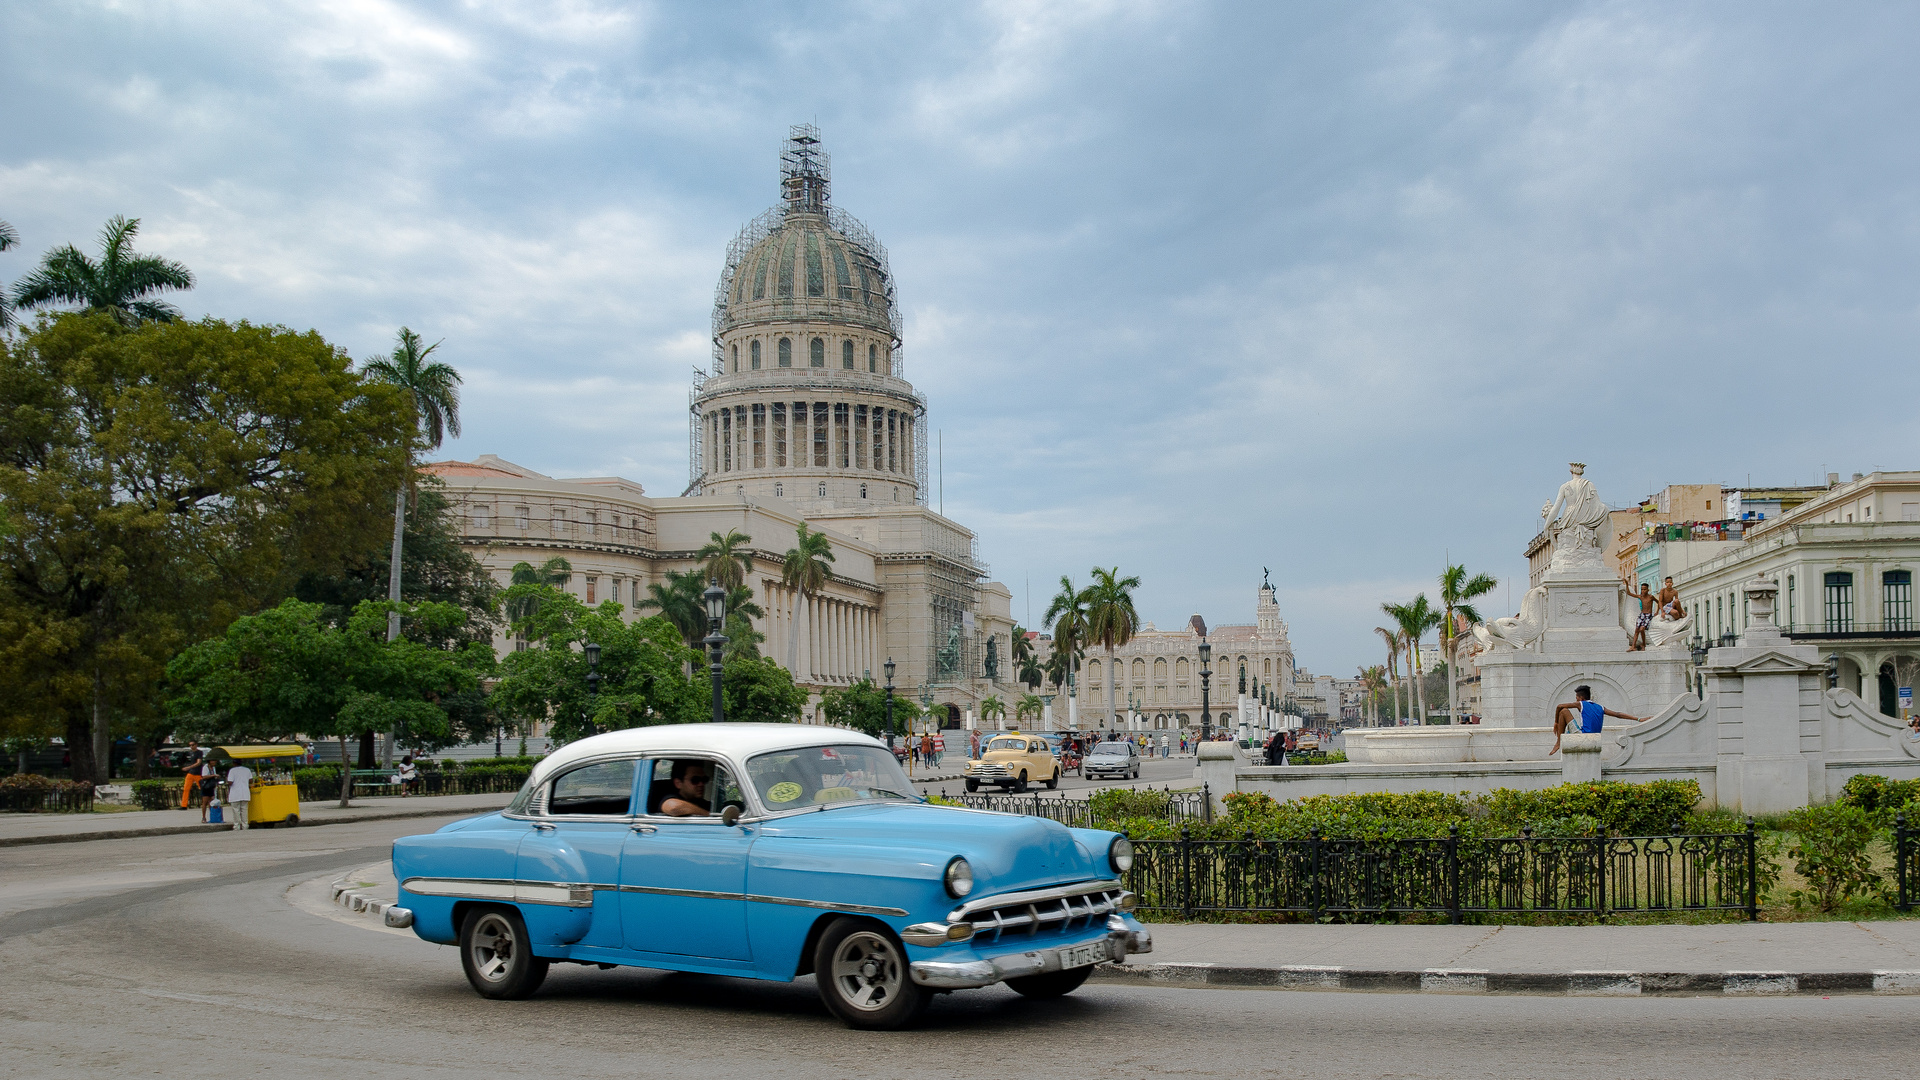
point(697, 778)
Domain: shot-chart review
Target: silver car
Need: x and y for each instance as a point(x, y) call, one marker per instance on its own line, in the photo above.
point(1121, 759)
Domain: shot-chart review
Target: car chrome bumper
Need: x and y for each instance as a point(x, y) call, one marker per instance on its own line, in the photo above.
point(398, 917)
point(968, 974)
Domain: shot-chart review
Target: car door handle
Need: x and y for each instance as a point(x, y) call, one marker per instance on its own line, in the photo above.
point(646, 828)
point(543, 826)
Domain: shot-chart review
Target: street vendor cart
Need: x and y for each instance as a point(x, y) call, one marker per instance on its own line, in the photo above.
point(276, 798)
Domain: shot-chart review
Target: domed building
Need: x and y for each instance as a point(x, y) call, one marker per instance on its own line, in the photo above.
point(806, 417)
point(807, 399)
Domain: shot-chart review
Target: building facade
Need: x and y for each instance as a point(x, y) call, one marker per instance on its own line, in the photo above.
point(1845, 562)
point(805, 417)
point(1156, 676)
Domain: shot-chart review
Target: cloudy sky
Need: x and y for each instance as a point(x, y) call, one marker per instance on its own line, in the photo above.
point(1194, 289)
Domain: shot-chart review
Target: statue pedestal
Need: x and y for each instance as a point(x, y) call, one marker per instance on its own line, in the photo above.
point(1585, 642)
point(1579, 757)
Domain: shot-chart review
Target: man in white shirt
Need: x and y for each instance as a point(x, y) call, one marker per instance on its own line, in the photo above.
point(239, 793)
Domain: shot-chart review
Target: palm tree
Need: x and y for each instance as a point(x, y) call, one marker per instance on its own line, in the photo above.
point(1392, 638)
point(1022, 648)
point(1029, 705)
point(1068, 614)
point(1030, 672)
point(555, 572)
point(1373, 681)
point(119, 284)
point(679, 598)
point(806, 569)
point(9, 238)
point(743, 641)
point(1414, 620)
point(726, 559)
point(1457, 591)
point(1111, 620)
point(433, 389)
point(993, 708)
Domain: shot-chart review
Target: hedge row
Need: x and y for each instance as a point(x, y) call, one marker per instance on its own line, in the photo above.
point(33, 793)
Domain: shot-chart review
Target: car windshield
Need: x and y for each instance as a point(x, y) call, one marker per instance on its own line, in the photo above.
point(819, 775)
point(1111, 748)
point(1008, 744)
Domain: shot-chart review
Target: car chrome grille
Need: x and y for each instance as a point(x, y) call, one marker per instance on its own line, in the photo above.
point(1059, 910)
point(987, 768)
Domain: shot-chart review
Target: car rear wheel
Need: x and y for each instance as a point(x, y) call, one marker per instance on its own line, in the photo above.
point(1054, 782)
point(494, 950)
point(862, 972)
point(1053, 984)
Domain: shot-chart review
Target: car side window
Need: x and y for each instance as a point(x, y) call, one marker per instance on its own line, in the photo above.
point(603, 788)
point(700, 784)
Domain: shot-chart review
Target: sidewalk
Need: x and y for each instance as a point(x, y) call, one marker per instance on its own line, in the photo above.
point(1724, 958)
point(70, 828)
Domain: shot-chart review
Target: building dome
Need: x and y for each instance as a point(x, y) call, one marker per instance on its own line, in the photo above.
point(807, 398)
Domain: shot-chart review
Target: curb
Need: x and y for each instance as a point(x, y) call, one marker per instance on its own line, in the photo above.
point(1476, 981)
point(358, 900)
point(171, 830)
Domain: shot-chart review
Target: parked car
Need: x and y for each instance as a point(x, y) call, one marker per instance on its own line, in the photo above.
point(766, 851)
point(1121, 759)
point(1012, 761)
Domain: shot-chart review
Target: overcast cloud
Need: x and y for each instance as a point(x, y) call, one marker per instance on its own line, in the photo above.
point(1193, 289)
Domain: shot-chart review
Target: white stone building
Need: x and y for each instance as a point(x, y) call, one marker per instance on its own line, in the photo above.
point(806, 416)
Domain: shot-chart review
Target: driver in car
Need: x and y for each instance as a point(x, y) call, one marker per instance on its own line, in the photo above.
point(690, 790)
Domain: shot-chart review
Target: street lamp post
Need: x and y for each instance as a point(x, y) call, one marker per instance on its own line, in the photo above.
point(888, 668)
point(1206, 676)
point(716, 598)
point(593, 682)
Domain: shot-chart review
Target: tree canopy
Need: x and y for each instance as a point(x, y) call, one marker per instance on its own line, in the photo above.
point(863, 707)
point(121, 284)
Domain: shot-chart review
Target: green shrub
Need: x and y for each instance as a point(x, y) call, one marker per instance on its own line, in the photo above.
point(156, 794)
point(1122, 803)
point(1829, 849)
point(1882, 797)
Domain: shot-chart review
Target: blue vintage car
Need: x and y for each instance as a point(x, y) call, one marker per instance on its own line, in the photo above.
point(766, 851)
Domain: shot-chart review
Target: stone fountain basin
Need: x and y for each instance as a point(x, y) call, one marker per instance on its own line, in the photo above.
point(1439, 746)
point(1511, 744)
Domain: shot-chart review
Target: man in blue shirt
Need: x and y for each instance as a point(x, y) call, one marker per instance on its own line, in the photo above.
point(1586, 712)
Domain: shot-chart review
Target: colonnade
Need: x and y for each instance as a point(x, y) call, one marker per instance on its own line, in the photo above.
point(834, 640)
point(776, 434)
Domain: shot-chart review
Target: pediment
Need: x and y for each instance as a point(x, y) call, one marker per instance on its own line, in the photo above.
point(1774, 662)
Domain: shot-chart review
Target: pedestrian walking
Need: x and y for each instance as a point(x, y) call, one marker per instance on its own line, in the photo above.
point(239, 793)
point(1164, 747)
point(190, 787)
point(939, 747)
point(206, 780)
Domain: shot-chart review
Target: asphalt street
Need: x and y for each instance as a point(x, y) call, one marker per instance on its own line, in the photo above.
point(186, 956)
point(1176, 772)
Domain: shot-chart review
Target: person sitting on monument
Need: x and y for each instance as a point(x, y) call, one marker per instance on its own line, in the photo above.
point(1589, 712)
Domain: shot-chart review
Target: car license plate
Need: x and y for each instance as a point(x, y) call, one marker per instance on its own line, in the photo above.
point(1081, 955)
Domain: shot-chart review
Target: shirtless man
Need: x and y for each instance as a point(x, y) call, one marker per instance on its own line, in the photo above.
point(1637, 641)
point(1668, 595)
point(1584, 711)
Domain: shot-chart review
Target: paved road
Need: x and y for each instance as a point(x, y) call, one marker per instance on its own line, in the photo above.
point(1176, 772)
point(182, 956)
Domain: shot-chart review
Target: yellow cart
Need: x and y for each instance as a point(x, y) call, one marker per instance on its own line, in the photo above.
point(276, 798)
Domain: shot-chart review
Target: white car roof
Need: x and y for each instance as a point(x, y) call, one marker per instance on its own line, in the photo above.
point(737, 741)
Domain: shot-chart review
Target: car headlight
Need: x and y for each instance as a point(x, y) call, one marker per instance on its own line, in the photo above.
point(1120, 854)
point(959, 876)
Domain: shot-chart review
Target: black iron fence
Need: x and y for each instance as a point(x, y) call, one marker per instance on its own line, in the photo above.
point(320, 785)
point(1454, 876)
point(1906, 863)
point(62, 798)
point(1180, 807)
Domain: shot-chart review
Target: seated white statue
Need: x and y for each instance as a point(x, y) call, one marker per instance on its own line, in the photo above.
point(1517, 631)
point(1663, 629)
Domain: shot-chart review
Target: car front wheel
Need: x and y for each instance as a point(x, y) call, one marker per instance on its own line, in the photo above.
point(1053, 984)
point(973, 785)
point(1020, 785)
point(862, 972)
point(493, 949)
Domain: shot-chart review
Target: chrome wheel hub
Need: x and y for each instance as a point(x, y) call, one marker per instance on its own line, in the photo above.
point(493, 947)
point(868, 971)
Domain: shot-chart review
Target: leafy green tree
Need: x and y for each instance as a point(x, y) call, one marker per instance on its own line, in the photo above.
point(163, 480)
point(1030, 672)
point(992, 708)
point(863, 707)
point(753, 689)
point(9, 239)
point(554, 573)
point(1111, 622)
point(121, 284)
point(807, 568)
point(1457, 593)
point(644, 668)
point(727, 559)
point(679, 600)
point(289, 671)
point(743, 641)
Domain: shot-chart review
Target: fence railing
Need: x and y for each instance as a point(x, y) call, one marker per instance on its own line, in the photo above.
point(1906, 864)
point(370, 783)
point(1181, 807)
point(1451, 875)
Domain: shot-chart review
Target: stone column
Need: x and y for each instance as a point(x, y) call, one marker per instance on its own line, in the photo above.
point(1579, 757)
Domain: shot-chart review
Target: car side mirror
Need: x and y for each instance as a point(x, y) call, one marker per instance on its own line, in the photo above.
point(730, 815)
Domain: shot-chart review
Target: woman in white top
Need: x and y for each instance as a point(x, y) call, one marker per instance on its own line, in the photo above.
point(239, 793)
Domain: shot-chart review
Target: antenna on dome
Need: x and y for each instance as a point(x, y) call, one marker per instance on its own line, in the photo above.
point(805, 170)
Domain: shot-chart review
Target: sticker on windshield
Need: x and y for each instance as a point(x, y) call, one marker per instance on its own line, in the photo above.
point(783, 792)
